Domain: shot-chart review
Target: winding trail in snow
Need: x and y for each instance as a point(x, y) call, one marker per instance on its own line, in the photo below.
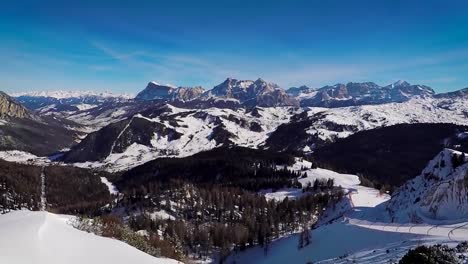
point(429, 230)
point(359, 217)
point(43, 190)
point(120, 134)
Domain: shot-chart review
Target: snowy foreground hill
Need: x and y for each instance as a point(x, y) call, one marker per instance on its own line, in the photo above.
point(45, 238)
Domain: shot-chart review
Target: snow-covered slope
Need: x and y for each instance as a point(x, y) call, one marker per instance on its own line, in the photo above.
point(440, 193)
point(176, 132)
point(203, 129)
point(317, 126)
point(342, 122)
point(46, 238)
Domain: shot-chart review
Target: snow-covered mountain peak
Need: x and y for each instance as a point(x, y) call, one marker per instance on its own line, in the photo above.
point(400, 83)
point(261, 81)
point(258, 92)
point(167, 84)
point(154, 90)
point(235, 83)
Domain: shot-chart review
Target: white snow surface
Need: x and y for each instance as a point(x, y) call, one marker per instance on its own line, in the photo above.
point(110, 186)
point(85, 106)
point(22, 157)
point(365, 117)
point(161, 214)
point(46, 238)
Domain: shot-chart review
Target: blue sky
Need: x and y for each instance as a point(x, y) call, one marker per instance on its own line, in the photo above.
point(121, 45)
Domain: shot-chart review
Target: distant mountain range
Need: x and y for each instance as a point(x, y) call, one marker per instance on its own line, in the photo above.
point(365, 93)
point(240, 93)
point(59, 94)
point(67, 101)
point(23, 129)
point(265, 94)
point(239, 112)
point(249, 93)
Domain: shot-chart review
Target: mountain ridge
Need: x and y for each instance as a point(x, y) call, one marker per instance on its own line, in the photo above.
point(364, 93)
point(10, 108)
point(246, 93)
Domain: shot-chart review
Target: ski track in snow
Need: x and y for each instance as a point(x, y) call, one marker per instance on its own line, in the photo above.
point(120, 134)
point(111, 187)
point(43, 190)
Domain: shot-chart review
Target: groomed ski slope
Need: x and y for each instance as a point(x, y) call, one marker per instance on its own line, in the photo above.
point(43, 238)
point(357, 231)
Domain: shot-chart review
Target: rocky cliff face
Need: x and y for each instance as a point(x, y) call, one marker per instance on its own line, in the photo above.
point(155, 90)
point(365, 93)
point(10, 108)
point(439, 193)
point(187, 93)
point(296, 91)
point(252, 93)
point(22, 130)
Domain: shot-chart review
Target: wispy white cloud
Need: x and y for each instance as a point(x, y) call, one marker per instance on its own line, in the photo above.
point(289, 69)
point(439, 80)
point(128, 69)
